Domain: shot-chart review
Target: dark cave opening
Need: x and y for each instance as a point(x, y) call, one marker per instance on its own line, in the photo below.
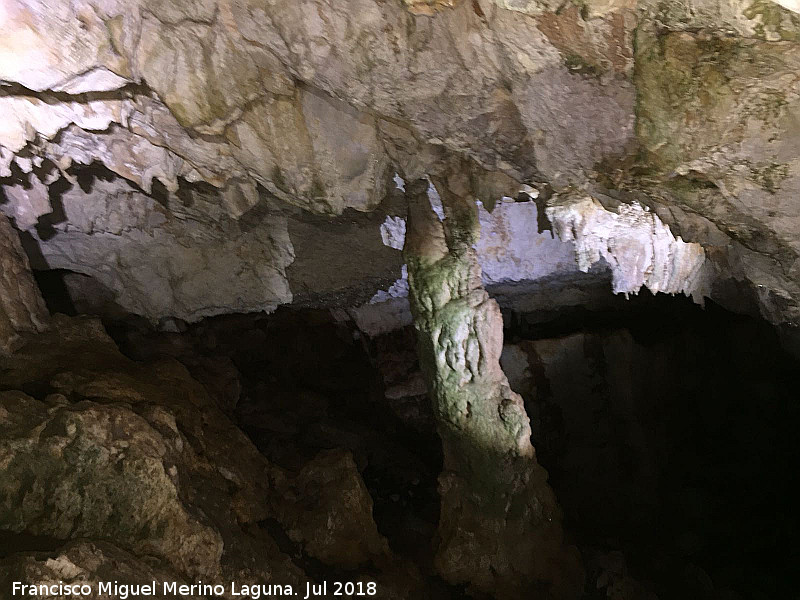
point(667, 429)
point(55, 291)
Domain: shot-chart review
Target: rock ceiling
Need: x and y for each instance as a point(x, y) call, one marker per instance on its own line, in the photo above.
point(190, 158)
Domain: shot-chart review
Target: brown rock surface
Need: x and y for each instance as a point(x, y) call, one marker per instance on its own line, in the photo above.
point(329, 509)
point(134, 454)
point(85, 563)
point(140, 456)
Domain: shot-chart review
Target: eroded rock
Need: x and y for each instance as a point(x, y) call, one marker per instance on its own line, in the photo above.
point(140, 456)
point(86, 563)
point(638, 247)
point(166, 266)
point(288, 98)
point(97, 471)
point(330, 511)
point(135, 454)
point(21, 306)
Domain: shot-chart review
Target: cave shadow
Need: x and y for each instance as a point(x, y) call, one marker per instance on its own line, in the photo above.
point(310, 384)
point(86, 175)
point(685, 462)
point(668, 434)
point(45, 223)
point(55, 291)
point(45, 227)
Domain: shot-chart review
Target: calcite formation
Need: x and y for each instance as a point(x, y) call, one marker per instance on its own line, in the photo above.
point(640, 250)
point(271, 106)
point(397, 162)
point(111, 232)
point(688, 106)
point(495, 496)
point(721, 141)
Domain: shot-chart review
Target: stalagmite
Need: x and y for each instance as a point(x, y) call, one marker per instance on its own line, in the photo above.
point(500, 528)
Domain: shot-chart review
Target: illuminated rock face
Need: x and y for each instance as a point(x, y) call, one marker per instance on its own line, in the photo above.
point(494, 494)
point(640, 249)
point(287, 107)
point(687, 108)
point(792, 5)
point(207, 264)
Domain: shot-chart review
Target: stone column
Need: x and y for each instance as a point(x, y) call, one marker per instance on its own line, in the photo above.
point(21, 305)
point(500, 527)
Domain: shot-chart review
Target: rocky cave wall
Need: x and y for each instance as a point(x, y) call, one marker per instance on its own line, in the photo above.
point(292, 448)
point(173, 161)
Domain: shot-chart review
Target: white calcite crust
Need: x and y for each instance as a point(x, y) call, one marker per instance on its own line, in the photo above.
point(640, 250)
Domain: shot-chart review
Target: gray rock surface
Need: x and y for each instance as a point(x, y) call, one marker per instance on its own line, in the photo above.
point(162, 263)
point(688, 108)
point(21, 306)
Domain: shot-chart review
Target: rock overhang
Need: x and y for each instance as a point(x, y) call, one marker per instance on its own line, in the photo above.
point(223, 165)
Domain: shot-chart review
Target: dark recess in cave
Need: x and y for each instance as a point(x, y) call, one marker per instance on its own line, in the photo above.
point(54, 291)
point(683, 465)
point(694, 413)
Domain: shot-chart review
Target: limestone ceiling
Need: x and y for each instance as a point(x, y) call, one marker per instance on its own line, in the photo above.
point(229, 125)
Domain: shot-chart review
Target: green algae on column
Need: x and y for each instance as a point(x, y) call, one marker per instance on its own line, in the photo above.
point(500, 526)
